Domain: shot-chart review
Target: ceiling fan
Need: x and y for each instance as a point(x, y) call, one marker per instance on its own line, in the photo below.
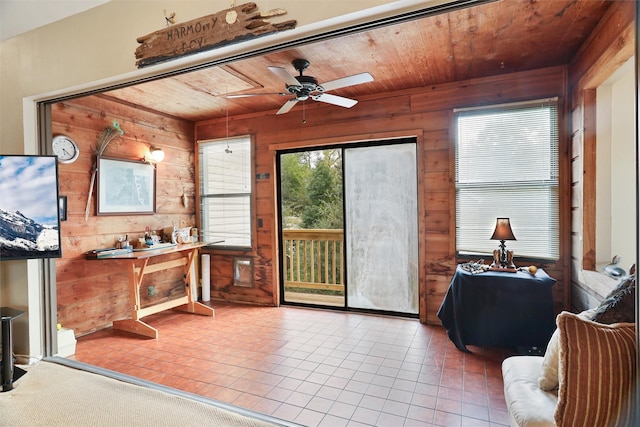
point(307, 87)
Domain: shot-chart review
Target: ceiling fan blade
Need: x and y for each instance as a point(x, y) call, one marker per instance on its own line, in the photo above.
point(284, 75)
point(246, 95)
point(335, 100)
point(287, 106)
point(356, 79)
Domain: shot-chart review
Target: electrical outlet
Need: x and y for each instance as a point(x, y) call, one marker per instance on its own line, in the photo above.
point(151, 290)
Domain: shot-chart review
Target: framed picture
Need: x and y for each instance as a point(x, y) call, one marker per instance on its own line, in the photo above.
point(62, 207)
point(125, 187)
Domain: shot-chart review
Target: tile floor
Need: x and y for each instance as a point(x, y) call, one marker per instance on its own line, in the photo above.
point(313, 367)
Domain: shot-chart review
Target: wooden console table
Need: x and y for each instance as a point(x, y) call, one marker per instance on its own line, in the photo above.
point(138, 267)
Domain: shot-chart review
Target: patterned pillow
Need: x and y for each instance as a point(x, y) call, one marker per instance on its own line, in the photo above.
point(596, 371)
point(548, 379)
point(619, 305)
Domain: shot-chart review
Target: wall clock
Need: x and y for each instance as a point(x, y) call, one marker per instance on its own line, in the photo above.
point(65, 148)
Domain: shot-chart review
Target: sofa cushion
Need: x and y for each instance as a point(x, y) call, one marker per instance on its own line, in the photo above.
point(596, 372)
point(548, 379)
point(619, 306)
point(528, 405)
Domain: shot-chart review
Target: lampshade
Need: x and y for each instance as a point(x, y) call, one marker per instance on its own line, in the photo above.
point(503, 230)
point(156, 154)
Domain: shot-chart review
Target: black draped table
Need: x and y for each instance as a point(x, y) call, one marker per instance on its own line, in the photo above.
point(499, 309)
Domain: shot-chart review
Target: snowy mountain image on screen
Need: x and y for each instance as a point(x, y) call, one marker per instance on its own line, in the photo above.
point(21, 236)
point(29, 207)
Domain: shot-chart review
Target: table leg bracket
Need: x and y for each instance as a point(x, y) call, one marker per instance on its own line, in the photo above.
point(197, 308)
point(135, 327)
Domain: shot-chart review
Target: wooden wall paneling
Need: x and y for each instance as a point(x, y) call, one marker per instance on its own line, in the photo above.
point(576, 121)
point(577, 168)
point(366, 108)
point(166, 285)
point(437, 200)
point(542, 83)
point(563, 265)
point(610, 44)
point(421, 168)
point(576, 220)
point(577, 242)
point(293, 134)
point(77, 289)
point(179, 131)
point(576, 190)
point(438, 140)
point(589, 181)
point(266, 222)
point(91, 294)
point(437, 222)
point(222, 287)
point(440, 259)
point(97, 313)
point(576, 148)
point(437, 180)
point(437, 284)
point(451, 133)
point(437, 160)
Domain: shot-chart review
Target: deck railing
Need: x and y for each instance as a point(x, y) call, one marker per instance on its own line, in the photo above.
point(314, 260)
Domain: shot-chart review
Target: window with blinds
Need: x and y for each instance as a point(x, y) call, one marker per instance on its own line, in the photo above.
point(225, 192)
point(507, 166)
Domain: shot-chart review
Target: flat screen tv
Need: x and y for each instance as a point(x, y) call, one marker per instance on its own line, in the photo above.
point(29, 207)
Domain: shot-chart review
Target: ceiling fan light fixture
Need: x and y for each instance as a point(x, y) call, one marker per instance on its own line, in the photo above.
point(304, 87)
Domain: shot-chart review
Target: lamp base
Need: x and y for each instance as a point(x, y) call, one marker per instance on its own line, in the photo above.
point(503, 261)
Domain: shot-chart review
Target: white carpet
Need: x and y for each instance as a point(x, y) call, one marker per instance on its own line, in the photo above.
point(52, 395)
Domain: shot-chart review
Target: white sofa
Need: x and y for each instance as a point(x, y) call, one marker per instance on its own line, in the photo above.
point(558, 389)
point(528, 404)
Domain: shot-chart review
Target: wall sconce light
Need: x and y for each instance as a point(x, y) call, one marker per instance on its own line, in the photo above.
point(155, 155)
point(503, 259)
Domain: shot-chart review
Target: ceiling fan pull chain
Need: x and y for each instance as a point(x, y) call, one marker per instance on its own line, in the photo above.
point(227, 150)
point(304, 111)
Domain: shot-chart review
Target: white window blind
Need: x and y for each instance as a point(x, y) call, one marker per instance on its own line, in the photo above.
point(507, 166)
point(225, 191)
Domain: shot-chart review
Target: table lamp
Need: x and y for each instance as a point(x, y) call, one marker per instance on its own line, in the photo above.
point(503, 233)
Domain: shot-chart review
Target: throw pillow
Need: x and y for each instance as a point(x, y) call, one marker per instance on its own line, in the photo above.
point(619, 305)
point(597, 372)
point(548, 379)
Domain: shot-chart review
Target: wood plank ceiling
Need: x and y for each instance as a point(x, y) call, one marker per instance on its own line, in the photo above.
point(487, 39)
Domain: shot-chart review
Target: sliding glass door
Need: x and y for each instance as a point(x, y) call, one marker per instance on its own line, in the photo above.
point(312, 227)
point(381, 219)
point(349, 220)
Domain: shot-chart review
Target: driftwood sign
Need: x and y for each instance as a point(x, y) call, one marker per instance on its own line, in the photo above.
point(228, 26)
